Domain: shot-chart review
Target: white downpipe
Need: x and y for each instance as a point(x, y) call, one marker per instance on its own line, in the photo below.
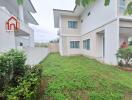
point(21, 13)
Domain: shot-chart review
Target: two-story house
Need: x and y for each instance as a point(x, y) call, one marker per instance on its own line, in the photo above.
point(96, 31)
point(12, 13)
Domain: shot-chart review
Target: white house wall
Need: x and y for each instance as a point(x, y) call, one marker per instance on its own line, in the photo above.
point(111, 42)
point(100, 15)
point(67, 35)
point(7, 39)
point(72, 51)
point(25, 41)
point(102, 20)
point(60, 46)
point(64, 46)
point(64, 25)
point(92, 51)
point(31, 39)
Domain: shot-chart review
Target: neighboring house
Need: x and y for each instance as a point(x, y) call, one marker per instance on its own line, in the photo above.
point(96, 31)
point(14, 29)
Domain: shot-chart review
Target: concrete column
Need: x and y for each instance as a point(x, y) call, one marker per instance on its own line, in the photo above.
point(21, 13)
point(111, 42)
point(31, 39)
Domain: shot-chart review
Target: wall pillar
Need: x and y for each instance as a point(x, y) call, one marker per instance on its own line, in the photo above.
point(21, 13)
point(31, 39)
point(111, 42)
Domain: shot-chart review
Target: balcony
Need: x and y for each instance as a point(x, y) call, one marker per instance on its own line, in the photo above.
point(24, 28)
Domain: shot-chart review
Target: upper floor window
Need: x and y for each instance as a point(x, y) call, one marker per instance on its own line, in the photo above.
point(74, 44)
point(122, 6)
point(86, 44)
point(122, 3)
point(72, 24)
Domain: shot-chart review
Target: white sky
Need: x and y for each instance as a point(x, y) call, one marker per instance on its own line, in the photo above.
point(44, 16)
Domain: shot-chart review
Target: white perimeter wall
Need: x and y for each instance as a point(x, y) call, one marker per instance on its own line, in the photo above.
point(35, 55)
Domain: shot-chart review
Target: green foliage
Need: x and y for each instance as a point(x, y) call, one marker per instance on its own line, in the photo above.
point(28, 86)
point(129, 9)
point(85, 2)
point(79, 78)
point(12, 66)
point(107, 2)
point(125, 54)
point(130, 43)
point(20, 2)
point(89, 2)
point(17, 81)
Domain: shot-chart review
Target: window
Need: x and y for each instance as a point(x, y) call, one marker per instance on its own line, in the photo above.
point(122, 3)
point(81, 21)
point(89, 13)
point(72, 24)
point(21, 44)
point(74, 44)
point(122, 6)
point(86, 44)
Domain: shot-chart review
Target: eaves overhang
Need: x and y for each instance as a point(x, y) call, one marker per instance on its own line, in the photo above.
point(76, 12)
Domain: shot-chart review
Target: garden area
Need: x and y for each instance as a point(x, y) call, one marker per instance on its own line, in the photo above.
point(17, 80)
point(65, 78)
point(81, 78)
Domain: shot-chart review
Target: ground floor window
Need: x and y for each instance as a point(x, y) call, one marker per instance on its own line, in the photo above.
point(74, 44)
point(86, 44)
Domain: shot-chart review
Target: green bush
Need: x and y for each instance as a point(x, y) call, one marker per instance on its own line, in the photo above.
point(12, 67)
point(28, 87)
point(18, 81)
point(124, 55)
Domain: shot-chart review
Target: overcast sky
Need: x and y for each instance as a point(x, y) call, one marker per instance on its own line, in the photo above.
point(45, 31)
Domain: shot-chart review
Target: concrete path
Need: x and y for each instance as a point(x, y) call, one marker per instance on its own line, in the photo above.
point(35, 55)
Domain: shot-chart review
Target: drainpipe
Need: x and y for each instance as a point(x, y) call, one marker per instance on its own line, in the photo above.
point(21, 13)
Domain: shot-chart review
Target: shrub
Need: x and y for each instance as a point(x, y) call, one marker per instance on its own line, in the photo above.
point(12, 67)
point(18, 81)
point(124, 56)
point(28, 87)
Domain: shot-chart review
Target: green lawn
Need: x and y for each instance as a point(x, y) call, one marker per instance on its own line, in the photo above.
point(81, 78)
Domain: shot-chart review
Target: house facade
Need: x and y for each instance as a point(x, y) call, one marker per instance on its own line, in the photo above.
point(14, 25)
point(96, 31)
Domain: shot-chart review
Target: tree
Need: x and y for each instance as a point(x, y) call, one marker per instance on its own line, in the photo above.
point(21, 15)
point(129, 9)
point(89, 2)
point(124, 56)
point(20, 2)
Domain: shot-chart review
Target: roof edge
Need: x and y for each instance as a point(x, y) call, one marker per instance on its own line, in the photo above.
point(33, 19)
point(33, 6)
point(66, 10)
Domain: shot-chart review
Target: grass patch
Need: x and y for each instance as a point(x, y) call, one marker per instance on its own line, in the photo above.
point(81, 78)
